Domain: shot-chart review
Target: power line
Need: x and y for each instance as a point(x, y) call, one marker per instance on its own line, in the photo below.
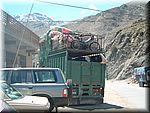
point(63, 21)
point(69, 5)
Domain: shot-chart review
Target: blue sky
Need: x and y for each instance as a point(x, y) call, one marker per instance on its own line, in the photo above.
point(57, 12)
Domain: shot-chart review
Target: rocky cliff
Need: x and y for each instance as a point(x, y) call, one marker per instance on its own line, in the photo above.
point(127, 50)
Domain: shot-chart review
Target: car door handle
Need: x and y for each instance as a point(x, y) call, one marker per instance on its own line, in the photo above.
point(30, 87)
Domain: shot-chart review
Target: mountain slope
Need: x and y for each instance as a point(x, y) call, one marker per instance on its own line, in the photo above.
point(33, 17)
point(124, 32)
point(108, 20)
point(37, 22)
point(127, 50)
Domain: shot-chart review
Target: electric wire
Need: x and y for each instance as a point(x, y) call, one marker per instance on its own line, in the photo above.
point(61, 21)
point(69, 5)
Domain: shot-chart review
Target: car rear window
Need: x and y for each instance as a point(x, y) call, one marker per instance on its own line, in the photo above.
point(33, 76)
point(45, 76)
point(17, 76)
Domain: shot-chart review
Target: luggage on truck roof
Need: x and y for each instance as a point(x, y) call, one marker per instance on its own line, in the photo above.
point(60, 29)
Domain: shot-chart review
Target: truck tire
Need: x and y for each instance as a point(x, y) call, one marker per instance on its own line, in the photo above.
point(141, 84)
point(102, 101)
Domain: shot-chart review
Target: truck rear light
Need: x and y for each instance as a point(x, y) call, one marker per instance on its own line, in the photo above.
point(65, 92)
point(96, 90)
point(74, 92)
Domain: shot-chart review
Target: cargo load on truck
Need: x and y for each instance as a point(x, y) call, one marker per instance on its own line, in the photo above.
point(83, 66)
point(61, 37)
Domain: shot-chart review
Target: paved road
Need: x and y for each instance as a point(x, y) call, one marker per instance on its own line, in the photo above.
point(129, 96)
point(119, 96)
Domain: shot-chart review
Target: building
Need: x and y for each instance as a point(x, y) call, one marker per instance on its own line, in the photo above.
point(19, 43)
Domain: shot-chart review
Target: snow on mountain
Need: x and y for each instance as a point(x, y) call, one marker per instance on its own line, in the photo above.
point(37, 22)
point(33, 17)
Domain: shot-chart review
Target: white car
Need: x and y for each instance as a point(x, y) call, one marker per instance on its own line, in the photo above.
point(6, 108)
point(23, 103)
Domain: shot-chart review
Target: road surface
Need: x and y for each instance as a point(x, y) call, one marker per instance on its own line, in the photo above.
point(129, 96)
point(119, 96)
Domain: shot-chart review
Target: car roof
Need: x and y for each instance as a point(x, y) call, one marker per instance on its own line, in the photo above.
point(29, 68)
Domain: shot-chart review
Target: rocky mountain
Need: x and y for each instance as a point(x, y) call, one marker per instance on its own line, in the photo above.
point(124, 37)
point(127, 50)
point(34, 17)
point(37, 22)
point(111, 19)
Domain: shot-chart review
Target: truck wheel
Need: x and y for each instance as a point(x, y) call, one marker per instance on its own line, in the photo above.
point(141, 84)
point(148, 84)
point(102, 101)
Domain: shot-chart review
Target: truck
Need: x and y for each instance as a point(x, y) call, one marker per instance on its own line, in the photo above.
point(142, 75)
point(83, 68)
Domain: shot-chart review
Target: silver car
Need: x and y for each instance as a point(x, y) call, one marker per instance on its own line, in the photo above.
point(23, 103)
point(44, 82)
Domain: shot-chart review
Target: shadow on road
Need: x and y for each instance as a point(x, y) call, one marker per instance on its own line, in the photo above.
point(96, 107)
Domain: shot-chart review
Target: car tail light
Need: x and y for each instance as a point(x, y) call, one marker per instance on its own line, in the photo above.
point(65, 92)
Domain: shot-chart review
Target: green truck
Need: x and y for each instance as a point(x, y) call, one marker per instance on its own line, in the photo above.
point(85, 69)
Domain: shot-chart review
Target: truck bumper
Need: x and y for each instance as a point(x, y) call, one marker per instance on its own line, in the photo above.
point(86, 100)
point(61, 101)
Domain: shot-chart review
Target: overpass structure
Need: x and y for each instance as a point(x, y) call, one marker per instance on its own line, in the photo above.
point(19, 43)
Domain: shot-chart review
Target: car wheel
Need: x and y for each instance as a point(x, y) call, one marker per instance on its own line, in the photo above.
point(141, 84)
point(51, 104)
